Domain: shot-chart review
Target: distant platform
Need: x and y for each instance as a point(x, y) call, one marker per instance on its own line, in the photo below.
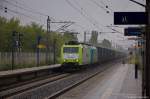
point(26, 70)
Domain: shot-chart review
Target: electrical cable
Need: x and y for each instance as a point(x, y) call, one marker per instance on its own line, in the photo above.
point(82, 9)
point(28, 10)
point(39, 13)
point(78, 10)
point(100, 24)
point(16, 12)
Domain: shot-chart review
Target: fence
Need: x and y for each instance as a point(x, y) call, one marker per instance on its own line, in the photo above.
point(23, 59)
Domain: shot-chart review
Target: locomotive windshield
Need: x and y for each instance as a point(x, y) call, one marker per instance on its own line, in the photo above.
point(71, 49)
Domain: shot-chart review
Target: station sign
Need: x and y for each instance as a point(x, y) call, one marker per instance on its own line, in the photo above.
point(130, 18)
point(133, 31)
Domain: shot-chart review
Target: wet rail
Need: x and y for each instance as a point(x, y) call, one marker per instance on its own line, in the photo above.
point(31, 85)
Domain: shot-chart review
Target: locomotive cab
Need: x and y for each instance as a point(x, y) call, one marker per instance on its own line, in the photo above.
point(71, 55)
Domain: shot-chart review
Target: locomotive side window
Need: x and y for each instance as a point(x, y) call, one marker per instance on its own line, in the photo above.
point(71, 50)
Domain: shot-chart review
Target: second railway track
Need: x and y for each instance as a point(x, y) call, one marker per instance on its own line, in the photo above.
point(49, 89)
point(28, 85)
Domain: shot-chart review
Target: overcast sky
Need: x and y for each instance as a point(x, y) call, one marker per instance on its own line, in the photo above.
point(87, 14)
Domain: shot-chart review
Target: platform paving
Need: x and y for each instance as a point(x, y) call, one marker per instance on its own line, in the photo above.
point(121, 85)
point(118, 82)
point(131, 87)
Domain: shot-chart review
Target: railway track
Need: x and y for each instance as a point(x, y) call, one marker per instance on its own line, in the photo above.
point(28, 85)
point(13, 85)
point(69, 87)
point(55, 86)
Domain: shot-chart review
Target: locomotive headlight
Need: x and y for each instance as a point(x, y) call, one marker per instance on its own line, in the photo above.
point(77, 60)
point(64, 60)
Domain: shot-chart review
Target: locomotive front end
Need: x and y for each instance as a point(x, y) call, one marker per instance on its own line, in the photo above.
point(70, 55)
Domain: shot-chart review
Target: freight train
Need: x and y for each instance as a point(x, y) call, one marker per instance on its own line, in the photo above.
point(77, 55)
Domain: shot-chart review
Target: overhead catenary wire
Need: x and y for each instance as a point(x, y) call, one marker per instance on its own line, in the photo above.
point(78, 10)
point(64, 26)
point(31, 11)
point(115, 30)
point(84, 11)
point(87, 14)
point(97, 4)
point(81, 10)
point(1, 8)
point(105, 8)
point(108, 7)
point(20, 13)
point(94, 19)
point(79, 26)
point(28, 9)
point(23, 8)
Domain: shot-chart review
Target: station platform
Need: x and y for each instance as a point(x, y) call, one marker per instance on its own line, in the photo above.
point(123, 84)
point(118, 82)
point(27, 70)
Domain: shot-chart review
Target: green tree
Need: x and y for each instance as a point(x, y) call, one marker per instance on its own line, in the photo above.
point(30, 34)
point(6, 29)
